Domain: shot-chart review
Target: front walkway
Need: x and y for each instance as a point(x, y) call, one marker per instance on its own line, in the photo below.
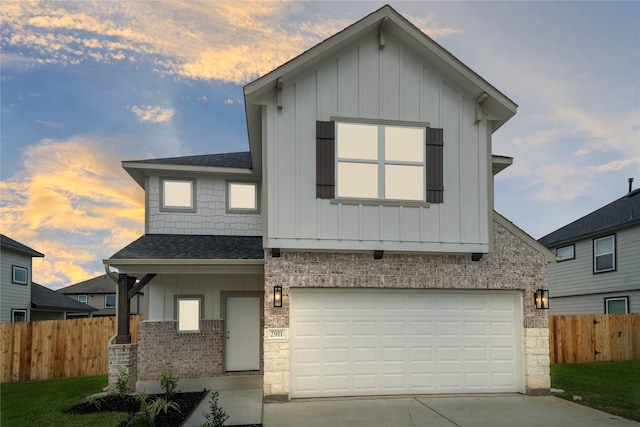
point(240, 397)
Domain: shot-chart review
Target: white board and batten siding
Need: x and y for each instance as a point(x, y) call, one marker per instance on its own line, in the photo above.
point(574, 289)
point(381, 84)
point(385, 342)
point(161, 292)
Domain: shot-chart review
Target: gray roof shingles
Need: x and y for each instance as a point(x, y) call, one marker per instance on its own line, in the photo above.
point(618, 214)
point(97, 285)
point(6, 242)
point(47, 299)
point(189, 246)
point(225, 160)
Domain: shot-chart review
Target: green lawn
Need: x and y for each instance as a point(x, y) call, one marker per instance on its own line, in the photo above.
point(41, 403)
point(612, 387)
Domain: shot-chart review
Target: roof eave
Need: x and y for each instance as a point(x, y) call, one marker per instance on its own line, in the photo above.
point(138, 170)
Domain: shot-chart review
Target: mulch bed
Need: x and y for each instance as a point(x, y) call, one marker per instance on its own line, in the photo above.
point(187, 402)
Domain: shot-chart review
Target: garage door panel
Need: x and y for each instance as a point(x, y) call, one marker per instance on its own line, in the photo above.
point(403, 342)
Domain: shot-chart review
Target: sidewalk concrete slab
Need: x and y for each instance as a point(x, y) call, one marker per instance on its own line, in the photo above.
point(439, 411)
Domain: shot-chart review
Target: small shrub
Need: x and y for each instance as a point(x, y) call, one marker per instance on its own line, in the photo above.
point(94, 400)
point(216, 416)
point(122, 382)
point(146, 415)
point(168, 384)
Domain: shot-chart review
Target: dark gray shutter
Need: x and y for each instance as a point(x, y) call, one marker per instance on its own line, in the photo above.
point(325, 160)
point(435, 184)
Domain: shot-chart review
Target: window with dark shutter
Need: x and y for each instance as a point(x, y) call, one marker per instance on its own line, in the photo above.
point(325, 160)
point(434, 162)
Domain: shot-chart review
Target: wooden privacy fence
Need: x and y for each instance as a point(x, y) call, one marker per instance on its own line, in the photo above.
point(57, 348)
point(594, 337)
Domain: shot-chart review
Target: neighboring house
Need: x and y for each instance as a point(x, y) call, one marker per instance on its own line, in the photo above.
point(22, 300)
point(599, 261)
point(47, 304)
point(100, 292)
point(15, 282)
point(354, 250)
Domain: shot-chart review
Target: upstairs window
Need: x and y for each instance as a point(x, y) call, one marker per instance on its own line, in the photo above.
point(18, 315)
point(380, 162)
point(177, 194)
point(242, 197)
point(604, 254)
point(362, 160)
point(566, 253)
point(110, 301)
point(82, 298)
point(19, 275)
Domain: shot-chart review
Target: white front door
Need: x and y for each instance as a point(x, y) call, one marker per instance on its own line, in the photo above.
point(243, 334)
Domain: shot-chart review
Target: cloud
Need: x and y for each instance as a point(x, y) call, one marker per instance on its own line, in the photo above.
point(228, 41)
point(74, 203)
point(149, 113)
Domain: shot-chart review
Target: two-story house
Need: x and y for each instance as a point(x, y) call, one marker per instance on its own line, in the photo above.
point(15, 282)
point(599, 261)
point(100, 292)
point(354, 250)
point(21, 299)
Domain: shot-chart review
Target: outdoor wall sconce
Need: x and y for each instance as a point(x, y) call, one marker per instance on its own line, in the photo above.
point(541, 298)
point(277, 296)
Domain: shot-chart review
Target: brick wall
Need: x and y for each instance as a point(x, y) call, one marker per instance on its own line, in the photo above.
point(122, 360)
point(187, 355)
point(513, 265)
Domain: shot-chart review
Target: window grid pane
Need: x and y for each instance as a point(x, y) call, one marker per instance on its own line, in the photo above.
point(357, 141)
point(404, 182)
point(242, 196)
point(178, 194)
point(358, 180)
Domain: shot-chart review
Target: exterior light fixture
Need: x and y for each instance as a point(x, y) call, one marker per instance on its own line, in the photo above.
point(541, 298)
point(277, 296)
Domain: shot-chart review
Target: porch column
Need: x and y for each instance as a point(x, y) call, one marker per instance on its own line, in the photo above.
point(123, 335)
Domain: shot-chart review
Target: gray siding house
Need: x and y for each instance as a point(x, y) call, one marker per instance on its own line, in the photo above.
point(21, 299)
point(15, 280)
point(598, 270)
point(354, 249)
point(100, 293)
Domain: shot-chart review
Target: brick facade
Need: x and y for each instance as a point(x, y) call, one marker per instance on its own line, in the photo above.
point(187, 355)
point(122, 359)
point(513, 265)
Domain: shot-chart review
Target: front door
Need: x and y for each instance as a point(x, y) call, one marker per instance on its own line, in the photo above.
point(243, 334)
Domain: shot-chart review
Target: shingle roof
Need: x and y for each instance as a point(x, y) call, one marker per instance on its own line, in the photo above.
point(188, 246)
point(6, 242)
point(225, 160)
point(98, 285)
point(45, 298)
point(618, 214)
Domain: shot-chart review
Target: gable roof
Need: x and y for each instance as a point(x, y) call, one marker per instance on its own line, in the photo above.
point(621, 213)
point(239, 162)
point(190, 247)
point(8, 243)
point(46, 299)
point(97, 285)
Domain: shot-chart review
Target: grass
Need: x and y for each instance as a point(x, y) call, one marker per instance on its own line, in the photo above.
point(42, 403)
point(612, 387)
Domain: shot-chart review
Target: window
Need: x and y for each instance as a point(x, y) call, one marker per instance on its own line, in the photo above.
point(242, 197)
point(394, 161)
point(110, 301)
point(188, 313)
point(82, 298)
point(20, 275)
point(177, 194)
point(616, 305)
point(566, 253)
point(380, 162)
point(604, 254)
point(18, 315)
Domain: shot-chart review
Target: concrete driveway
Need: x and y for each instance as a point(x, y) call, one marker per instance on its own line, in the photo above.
point(511, 410)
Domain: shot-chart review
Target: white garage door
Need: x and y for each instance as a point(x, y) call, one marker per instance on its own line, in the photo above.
point(381, 342)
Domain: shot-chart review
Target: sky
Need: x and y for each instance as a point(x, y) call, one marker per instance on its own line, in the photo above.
point(85, 85)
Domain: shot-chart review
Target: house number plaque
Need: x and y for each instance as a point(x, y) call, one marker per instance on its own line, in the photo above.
point(276, 333)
